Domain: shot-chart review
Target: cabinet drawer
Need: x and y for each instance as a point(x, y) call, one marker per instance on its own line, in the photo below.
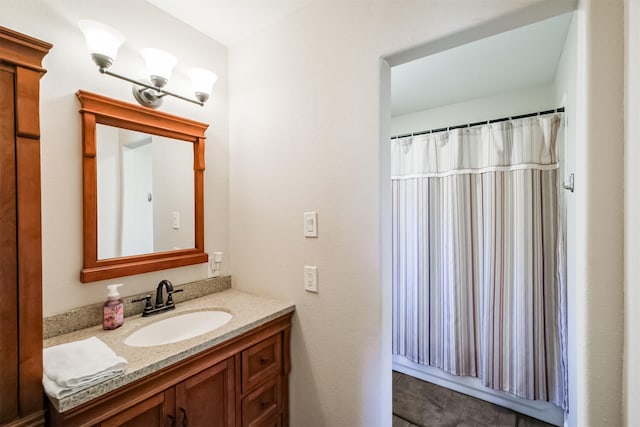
point(261, 407)
point(261, 361)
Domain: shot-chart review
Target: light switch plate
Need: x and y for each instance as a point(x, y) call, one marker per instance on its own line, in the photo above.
point(310, 224)
point(310, 278)
point(175, 220)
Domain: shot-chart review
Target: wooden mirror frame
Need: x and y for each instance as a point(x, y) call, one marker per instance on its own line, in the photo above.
point(98, 109)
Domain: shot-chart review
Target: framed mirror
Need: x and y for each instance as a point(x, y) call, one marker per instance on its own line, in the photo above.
point(143, 203)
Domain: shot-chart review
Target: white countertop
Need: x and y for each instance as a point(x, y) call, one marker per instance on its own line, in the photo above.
point(249, 311)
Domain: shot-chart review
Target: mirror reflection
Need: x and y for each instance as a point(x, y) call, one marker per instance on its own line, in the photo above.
point(145, 193)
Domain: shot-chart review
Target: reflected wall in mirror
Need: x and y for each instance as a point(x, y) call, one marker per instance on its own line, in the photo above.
point(143, 177)
point(145, 193)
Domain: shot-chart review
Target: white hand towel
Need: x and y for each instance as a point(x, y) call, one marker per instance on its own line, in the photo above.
point(54, 390)
point(80, 364)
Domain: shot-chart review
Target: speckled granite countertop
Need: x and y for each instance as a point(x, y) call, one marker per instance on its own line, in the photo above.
point(249, 311)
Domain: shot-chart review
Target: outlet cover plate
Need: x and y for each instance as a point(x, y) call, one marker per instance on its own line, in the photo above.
point(310, 278)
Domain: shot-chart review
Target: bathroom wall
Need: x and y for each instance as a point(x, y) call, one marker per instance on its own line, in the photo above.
point(599, 303)
point(523, 101)
point(69, 69)
point(565, 94)
point(631, 409)
point(305, 136)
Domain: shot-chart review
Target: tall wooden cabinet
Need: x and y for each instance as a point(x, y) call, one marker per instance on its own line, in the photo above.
point(21, 401)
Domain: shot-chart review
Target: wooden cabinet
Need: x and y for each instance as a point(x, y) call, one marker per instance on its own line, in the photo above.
point(208, 398)
point(242, 382)
point(261, 383)
point(21, 402)
point(205, 399)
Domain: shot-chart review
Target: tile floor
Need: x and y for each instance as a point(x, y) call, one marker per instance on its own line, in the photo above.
point(422, 404)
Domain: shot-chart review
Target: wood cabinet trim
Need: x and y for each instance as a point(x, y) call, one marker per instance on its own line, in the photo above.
point(28, 102)
point(34, 419)
point(22, 55)
point(286, 366)
point(9, 337)
point(22, 50)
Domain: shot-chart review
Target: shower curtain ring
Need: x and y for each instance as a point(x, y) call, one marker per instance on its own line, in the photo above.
point(569, 186)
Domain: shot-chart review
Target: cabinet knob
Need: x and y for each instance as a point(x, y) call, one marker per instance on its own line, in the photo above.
point(263, 360)
point(172, 420)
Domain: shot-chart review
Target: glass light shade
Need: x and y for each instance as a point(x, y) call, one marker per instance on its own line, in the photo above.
point(202, 80)
point(101, 39)
point(159, 65)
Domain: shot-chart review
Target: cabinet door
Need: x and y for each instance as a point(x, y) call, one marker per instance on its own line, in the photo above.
point(155, 411)
point(207, 399)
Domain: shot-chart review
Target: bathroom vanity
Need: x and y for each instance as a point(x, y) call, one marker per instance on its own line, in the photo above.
point(235, 375)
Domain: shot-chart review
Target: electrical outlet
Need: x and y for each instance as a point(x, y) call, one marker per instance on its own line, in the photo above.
point(210, 270)
point(310, 278)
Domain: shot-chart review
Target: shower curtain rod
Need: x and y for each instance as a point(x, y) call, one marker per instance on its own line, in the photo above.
point(485, 122)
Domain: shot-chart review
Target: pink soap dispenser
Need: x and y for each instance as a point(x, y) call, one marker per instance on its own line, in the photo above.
point(113, 309)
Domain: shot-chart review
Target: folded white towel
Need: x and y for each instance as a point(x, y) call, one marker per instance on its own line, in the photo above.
point(54, 390)
point(71, 367)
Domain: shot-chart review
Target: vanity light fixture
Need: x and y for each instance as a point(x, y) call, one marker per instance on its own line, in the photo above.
point(103, 43)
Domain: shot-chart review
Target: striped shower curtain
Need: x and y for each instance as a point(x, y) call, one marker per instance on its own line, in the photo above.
point(478, 269)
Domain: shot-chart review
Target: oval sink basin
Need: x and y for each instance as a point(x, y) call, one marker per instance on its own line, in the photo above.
point(178, 328)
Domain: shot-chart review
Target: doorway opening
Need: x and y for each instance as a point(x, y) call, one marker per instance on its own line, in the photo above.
point(528, 70)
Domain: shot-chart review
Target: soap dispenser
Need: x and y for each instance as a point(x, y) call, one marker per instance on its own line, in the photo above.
point(113, 309)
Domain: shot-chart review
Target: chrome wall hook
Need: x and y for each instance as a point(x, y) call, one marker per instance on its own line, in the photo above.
point(569, 186)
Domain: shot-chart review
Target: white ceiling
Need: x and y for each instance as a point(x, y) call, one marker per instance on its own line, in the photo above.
point(229, 21)
point(516, 59)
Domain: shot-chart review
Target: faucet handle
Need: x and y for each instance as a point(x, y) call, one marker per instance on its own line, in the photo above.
point(147, 304)
point(170, 296)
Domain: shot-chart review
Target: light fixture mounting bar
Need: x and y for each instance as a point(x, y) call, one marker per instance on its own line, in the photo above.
point(161, 91)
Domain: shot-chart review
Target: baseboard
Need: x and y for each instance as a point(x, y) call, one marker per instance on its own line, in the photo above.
point(544, 411)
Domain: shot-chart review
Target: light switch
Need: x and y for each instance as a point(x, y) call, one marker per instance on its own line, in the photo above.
point(310, 278)
point(310, 224)
point(175, 220)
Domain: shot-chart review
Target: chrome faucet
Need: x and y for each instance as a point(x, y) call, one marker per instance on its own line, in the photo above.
point(160, 305)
